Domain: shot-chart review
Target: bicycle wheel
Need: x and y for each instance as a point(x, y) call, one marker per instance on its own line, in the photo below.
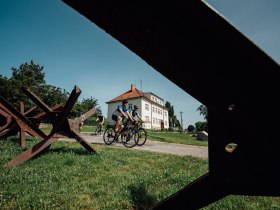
point(130, 137)
point(142, 136)
point(96, 130)
point(108, 135)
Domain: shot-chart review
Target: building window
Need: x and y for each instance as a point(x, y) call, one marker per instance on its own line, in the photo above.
point(130, 106)
point(153, 120)
point(147, 119)
point(153, 109)
point(147, 107)
point(165, 123)
point(165, 114)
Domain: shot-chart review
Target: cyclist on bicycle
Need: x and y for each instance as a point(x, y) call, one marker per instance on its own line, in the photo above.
point(100, 118)
point(134, 113)
point(121, 111)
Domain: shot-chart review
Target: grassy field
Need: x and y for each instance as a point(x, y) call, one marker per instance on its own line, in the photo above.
point(69, 177)
point(173, 137)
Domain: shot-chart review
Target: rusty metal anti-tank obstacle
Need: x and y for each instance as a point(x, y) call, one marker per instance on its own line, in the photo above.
point(14, 125)
point(60, 125)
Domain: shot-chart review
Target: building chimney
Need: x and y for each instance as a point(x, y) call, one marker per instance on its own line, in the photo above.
point(133, 87)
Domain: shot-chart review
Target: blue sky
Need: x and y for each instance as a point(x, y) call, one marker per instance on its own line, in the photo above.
point(74, 51)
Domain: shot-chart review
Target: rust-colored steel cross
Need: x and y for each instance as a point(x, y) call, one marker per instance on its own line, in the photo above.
point(75, 124)
point(18, 122)
point(5, 128)
point(13, 126)
point(60, 125)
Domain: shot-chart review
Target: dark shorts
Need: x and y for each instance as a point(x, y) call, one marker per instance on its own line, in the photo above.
point(115, 117)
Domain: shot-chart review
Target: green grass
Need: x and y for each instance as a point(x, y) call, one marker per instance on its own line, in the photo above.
point(85, 128)
point(69, 177)
point(173, 137)
point(88, 128)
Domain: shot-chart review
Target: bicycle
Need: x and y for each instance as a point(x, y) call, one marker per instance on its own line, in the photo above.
point(98, 130)
point(129, 135)
point(142, 133)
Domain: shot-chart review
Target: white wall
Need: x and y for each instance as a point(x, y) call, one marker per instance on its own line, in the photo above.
point(146, 113)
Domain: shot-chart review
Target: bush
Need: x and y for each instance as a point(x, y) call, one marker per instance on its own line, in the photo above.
point(190, 128)
point(201, 126)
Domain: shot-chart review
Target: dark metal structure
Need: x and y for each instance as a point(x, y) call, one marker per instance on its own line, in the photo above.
point(197, 49)
point(77, 123)
point(18, 122)
point(15, 125)
point(58, 120)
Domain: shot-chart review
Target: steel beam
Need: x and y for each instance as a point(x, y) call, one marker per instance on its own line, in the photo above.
point(202, 53)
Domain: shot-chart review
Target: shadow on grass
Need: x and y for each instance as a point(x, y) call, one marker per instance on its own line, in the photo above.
point(12, 139)
point(78, 151)
point(140, 198)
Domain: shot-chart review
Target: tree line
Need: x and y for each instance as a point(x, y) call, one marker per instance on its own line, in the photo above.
point(32, 76)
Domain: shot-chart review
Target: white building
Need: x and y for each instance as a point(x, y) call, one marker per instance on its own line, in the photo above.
point(151, 107)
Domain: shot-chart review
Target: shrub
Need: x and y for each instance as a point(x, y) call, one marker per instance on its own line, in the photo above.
point(201, 126)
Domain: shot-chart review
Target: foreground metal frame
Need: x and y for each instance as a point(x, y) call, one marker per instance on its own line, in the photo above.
point(197, 49)
point(58, 120)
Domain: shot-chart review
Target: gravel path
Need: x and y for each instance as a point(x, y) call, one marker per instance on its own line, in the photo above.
point(155, 146)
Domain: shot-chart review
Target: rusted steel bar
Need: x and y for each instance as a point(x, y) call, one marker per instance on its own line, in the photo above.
point(31, 152)
point(60, 126)
point(22, 121)
point(12, 128)
point(37, 100)
point(82, 141)
point(22, 131)
point(29, 111)
point(75, 124)
point(8, 120)
point(219, 62)
point(42, 115)
point(62, 117)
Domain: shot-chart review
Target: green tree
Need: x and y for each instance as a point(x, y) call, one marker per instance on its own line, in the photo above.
point(173, 121)
point(84, 106)
point(202, 126)
point(5, 87)
point(27, 75)
point(32, 76)
point(54, 95)
point(203, 111)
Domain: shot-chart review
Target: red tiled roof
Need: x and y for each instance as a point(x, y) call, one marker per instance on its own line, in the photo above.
point(132, 93)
